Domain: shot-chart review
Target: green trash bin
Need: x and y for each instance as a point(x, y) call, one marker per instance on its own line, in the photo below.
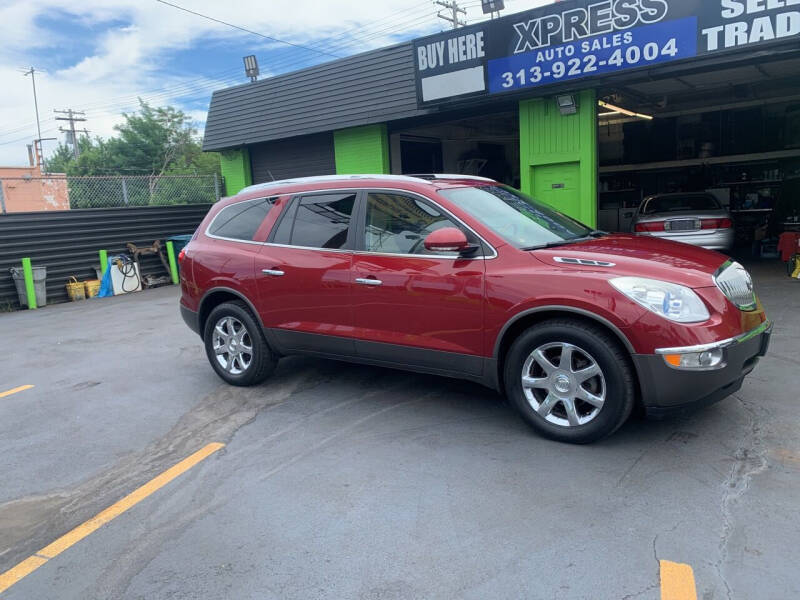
point(179, 243)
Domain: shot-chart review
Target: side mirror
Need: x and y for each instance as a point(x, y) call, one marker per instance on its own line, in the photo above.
point(448, 239)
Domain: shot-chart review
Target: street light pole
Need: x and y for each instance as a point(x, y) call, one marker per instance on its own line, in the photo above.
point(32, 73)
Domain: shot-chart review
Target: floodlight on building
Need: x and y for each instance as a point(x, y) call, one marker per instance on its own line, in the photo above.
point(492, 6)
point(566, 104)
point(618, 110)
point(251, 67)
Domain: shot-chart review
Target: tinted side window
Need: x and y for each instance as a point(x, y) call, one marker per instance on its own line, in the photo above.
point(240, 221)
point(399, 224)
point(323, 221)
point(283, 234)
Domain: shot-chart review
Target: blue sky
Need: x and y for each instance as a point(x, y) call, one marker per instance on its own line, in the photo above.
point(100, 55)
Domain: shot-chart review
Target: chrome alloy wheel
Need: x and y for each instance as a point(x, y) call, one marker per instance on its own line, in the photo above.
point(232, 345)
point(563, 384)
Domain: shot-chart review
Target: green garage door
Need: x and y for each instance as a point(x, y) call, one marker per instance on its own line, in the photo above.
point(559, 186)
point(558, 155)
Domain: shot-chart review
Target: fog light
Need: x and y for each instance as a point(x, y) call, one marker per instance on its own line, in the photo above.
point(709, 359)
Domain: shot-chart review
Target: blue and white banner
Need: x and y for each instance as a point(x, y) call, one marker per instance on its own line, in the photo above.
point(637, 47)
point(579, 39)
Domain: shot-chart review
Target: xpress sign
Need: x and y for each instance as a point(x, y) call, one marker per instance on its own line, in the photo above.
point(584, 38)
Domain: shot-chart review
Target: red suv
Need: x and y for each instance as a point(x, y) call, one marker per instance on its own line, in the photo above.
point(465, 277)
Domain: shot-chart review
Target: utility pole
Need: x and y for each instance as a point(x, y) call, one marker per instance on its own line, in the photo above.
point(73, 116)
point(455, 9)
point(32, 73)
point(37, 143)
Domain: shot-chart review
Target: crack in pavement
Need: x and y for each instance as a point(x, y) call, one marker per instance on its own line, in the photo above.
point(649, 588)
point(750, 460)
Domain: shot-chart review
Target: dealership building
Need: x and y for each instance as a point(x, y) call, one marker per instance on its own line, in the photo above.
point(588, 105)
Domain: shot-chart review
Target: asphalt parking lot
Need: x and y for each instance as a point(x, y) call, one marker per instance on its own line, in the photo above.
point(342, 481)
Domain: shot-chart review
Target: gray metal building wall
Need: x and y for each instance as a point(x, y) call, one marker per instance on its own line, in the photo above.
point(373, 87)
point(293, 157)
point(67, 242)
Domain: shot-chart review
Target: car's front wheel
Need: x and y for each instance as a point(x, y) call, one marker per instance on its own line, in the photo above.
point(235, 345)
point(570, 380)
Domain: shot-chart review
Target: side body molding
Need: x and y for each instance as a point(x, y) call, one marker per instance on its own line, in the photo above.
point(201, 306)
point(559, 308)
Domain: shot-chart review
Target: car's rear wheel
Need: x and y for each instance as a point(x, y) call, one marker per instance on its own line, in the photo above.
point(235, 345)
point(570, 380)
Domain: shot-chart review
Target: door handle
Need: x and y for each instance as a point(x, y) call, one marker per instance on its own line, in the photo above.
point(273, 272)
point(368, 281)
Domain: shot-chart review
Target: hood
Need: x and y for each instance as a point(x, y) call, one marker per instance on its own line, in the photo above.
point(640, 256)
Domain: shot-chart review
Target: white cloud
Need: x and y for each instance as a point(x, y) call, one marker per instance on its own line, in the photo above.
point(125, 59)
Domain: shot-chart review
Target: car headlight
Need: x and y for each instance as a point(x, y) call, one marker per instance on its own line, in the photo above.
point(669, 300)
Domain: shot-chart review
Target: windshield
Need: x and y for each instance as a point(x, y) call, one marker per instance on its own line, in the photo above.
point(692, 202)
point(518, 219)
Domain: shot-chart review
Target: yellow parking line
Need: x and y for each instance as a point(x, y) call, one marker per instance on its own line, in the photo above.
point(677, 581)
point(30, 564)
point(21, 388)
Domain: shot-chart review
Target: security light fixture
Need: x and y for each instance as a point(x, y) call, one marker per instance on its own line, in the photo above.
point(618, 110)
point(566, 104)
point(492, 6)
point(251, 67)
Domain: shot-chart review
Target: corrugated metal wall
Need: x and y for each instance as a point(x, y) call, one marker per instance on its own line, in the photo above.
point(67, 242)
point(293, 157)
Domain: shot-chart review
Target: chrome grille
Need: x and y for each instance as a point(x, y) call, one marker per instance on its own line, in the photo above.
point(734, 281)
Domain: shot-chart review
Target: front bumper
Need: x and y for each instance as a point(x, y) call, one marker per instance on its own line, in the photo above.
point(667, 390)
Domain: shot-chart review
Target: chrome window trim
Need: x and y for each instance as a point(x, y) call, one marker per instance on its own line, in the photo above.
point(765, 327)
point(339, 250)
point(222, 210)
point(367, 252)
point(360, 252)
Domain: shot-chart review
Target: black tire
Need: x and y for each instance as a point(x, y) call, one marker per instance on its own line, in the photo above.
point(616, 380)
point(262, 361)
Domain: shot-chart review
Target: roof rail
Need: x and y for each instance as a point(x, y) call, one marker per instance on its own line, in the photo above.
point(327, 178)
point(426, 177)
point(432, 176)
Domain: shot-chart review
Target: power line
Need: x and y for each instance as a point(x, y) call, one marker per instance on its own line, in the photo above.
point(277, 65)
point(192, 88)
point(197, 87)
point(268, 37)
point(360, 35)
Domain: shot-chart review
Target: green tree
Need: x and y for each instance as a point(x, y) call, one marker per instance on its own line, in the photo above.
point(60, 160)
point(151, 141)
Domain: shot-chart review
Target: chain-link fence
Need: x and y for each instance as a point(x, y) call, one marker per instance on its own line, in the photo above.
point(59, 192)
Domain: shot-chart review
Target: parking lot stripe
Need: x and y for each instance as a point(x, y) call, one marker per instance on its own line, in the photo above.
point(70, 538)
point(677, 581)
point(21, 388)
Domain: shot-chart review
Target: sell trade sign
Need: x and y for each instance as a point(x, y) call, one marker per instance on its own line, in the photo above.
point(584, 38)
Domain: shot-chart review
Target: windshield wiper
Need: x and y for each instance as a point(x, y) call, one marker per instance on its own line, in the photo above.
point(575, 240)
